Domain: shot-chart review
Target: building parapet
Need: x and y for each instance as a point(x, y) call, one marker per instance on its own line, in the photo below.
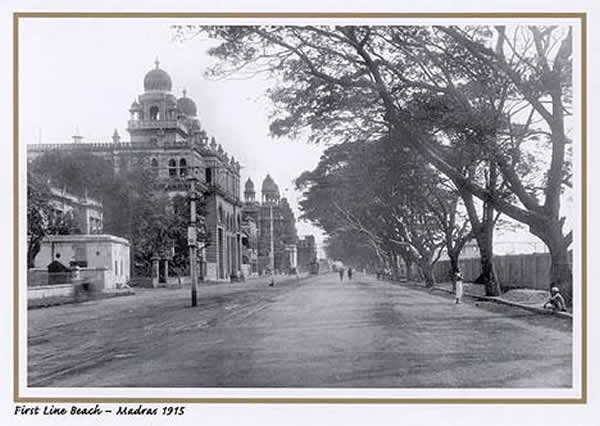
point(157, 124)
point(86, 238)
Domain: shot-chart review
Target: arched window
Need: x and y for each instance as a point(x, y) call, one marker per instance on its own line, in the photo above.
point(154, 113)
point(220, 214)
point(183, 171)
point(172, 167)
point(154, 165)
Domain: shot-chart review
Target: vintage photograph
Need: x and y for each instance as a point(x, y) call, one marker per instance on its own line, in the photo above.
point(317, 204)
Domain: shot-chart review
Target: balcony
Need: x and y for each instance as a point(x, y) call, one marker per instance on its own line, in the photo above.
point(156, 124)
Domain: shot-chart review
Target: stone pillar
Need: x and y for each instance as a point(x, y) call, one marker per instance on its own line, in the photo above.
point(166, 270)
point(155, 271)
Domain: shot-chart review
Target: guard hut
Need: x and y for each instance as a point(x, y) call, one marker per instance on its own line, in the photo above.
point(102, 258)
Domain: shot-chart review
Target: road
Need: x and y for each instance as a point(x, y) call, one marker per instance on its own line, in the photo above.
point(316, 332)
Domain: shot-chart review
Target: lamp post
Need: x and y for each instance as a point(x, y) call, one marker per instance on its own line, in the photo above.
point(272, 246)
point(192, 240)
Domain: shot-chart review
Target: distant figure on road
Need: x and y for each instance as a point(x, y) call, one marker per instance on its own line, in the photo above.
point(341, 272)
point(556, 301)
point(349, 273)
point(458, 287)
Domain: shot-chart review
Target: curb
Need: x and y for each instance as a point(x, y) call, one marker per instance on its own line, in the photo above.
point(542, 311)
point(499, 300)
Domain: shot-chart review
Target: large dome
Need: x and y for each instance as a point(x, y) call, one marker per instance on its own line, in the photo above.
point(187, 106)
point(157, 79)
point(269, 186)
point(249, 187)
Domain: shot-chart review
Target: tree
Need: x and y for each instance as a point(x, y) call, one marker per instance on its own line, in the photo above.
point(135, 203)
point(345, 82)
point(42, 220)
point(352, 248)
point(79, 173)
point(376, 189)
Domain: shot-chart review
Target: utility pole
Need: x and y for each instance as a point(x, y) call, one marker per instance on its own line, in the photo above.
point(272, 247)
point(192, 240)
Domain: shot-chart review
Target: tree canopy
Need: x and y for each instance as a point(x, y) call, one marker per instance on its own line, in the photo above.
point(496, 96)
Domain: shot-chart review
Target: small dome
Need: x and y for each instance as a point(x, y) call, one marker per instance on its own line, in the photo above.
point(269, 186)
point(135, 106)
point(196, 125)
point(157, 79)
point(187, 106)
point(249, 186)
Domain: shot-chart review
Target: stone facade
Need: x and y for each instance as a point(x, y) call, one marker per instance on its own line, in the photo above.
point(307, 252)
point(166, 136)
point(276, 226)
point(86, 213)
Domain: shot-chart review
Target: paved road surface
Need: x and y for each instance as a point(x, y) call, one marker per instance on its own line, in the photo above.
point(314, 333)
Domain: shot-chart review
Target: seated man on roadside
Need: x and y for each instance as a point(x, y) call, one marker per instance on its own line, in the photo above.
point(556, 301)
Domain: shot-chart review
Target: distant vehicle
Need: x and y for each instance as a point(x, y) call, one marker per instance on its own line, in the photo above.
point(314, 268)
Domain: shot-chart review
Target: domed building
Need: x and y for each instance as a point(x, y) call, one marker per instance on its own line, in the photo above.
point(187, 106)
point(270, 190)
point(167, 137)
point(157, 80)
point(276, 228)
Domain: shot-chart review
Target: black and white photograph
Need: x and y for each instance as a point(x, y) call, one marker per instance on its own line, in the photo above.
point(301, 207)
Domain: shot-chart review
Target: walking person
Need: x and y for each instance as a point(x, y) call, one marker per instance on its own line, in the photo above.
point(349, 273)
point(458, 287)
point(341, 272)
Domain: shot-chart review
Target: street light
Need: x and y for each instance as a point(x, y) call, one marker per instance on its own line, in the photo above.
point(192, 238)
point(272, 248)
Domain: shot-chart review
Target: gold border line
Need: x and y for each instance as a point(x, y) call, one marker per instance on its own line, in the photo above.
point(584, 207)
point(16, 205)
point(298, 15)
point(582, 16)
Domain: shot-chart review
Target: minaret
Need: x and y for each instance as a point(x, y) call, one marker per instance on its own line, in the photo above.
point(249, 192)
point(77, 138)
point(115, 137)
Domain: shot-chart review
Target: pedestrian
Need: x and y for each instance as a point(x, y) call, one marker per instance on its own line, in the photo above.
point(458, 287)
point(556, 301)
point(349, 273)
point(341, 272)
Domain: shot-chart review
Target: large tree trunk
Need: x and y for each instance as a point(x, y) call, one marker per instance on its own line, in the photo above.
point(453, 256)
point(560, 273)
point(426, 269)
point(32, 250)
point(483, 231)
point(560, 268)
point(394, 266)
point(487, 277)
point(408, 264)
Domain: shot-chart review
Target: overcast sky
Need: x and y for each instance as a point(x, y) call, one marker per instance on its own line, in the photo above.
point(85, 74)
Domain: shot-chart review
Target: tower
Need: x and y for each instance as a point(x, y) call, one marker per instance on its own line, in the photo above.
point(77, 138)
point(270, 191)
point(154, 114)
point(249, 192)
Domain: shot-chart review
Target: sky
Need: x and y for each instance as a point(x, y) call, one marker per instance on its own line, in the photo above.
point(84, 74)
